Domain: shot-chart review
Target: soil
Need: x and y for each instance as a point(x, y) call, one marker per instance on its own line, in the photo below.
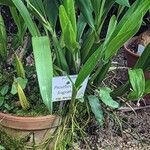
point(143, 39)
point(122, 130)
point(133, 46)
point(134, 135)
point(9, 22)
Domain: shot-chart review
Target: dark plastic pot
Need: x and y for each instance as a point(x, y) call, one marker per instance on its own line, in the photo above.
point(131, 61)
point(36, 129)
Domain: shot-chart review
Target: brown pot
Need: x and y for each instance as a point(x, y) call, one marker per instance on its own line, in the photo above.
point(36, 129)
point(131, 56)
point(131, 61)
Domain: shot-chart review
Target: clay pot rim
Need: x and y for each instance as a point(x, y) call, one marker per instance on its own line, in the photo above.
point(128, 50)
point(28, 123)
point(26, 117)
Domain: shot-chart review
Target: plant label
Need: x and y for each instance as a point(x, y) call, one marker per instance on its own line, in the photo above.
point(140, 49)
point(62, 88)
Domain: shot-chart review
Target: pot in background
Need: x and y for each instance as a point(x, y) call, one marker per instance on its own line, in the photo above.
point(130, 55)
point(132, 58)
point(37, 130)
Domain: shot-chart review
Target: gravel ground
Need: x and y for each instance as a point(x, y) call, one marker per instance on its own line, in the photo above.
point(127, 130)
point(134, 135)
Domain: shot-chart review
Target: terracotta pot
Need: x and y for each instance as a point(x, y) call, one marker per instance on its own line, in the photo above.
point(131, 61)
point(131, 56)
point(36, 129)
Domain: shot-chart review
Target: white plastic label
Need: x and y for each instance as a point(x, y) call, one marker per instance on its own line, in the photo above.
point(62, 88)
point(140, 49)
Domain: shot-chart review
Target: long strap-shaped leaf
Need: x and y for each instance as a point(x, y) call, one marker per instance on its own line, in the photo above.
point(70, 9)
point(86, 9)
point(22, 98)
point(6, 2)
point(3, 39)
point(43, 61)
point(26, 16)
point(19, 67)
point(52, 15)
point(42, 55)
point(123, 2)
point(88, 67)
point(117, 42)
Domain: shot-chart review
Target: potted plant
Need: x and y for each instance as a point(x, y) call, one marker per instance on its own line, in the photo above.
point(22, 118)
point(133, 49)
point(64, 43)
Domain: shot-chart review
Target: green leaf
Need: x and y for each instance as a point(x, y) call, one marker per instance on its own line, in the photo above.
point(51, 10)
point(26, 16)
point(80, 27)
point(69, 34)
point(39, 6)
point(104, 94)
point(126, 32)
point(21, 27)
point(88, 67)
point(70, 9)
point(39, 13)
point(16, 18)
point(70, 38)
point(3, 39)
point(44, 68)
point(96, 6)
point(144, 61)
point(126, 28)
point(137, 81)
point(87, 9)
point(22, 98)
point(1, 101)
point(6, 2)
point(123, 2)
point(87, 45)
point(22, 82)
point(4, 90)
point(147, 87)
point(19, 67)
point(138, 8)
point(107, 7)
point(63, 17)
point(111, 28)
point(96, 108)
point(3, 28)
point(101, 74)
